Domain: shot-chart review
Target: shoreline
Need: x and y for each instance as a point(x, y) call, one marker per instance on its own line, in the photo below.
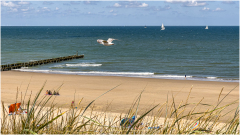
point(119, 99)
point(134, 75)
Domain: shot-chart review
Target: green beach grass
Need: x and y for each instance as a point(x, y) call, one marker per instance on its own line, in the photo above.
point(165, 118)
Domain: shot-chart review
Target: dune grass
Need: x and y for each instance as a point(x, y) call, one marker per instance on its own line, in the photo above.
point(165, 118)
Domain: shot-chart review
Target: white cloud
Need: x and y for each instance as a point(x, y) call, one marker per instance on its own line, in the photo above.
point(159, 8)
point(75, 2)
point(143, 5)
point(47, 3)
point(13, 9)
point(117, 5)
point(195, 4)
point(188, 3)
point(129, 4)
point(23, 3)
point(57, 8)
point(167, 7)
point(218, 9)
point(228, 2)
point(46, 9)
point(25, 9)
point(9, 4)
point(89, 2)
point(176, 1)
point(208, 9)
point(205, 9)
point(113, 12)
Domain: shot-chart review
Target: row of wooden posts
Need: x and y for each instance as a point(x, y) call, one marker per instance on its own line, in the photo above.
point(39, 62)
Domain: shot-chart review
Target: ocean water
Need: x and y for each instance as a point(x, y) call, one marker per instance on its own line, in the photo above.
point(209, 55)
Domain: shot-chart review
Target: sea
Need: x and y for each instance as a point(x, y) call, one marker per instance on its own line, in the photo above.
point(200, 54)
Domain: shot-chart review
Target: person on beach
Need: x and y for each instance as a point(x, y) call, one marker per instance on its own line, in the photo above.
point(47, 92)
point(54, 93)
point(185, 77)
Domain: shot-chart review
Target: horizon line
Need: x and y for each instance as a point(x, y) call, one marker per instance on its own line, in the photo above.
point(114, 25)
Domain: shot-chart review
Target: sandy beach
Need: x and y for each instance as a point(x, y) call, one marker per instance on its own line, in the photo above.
point(119, 99)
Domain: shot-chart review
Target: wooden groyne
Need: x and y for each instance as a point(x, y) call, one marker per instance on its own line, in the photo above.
point(39, 62)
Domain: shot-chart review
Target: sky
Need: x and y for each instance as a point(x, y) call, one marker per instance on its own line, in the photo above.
point(120, 13)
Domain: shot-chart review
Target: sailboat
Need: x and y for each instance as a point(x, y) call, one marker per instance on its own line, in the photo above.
point(163, 28)
point(206, 27)
point(145, 26)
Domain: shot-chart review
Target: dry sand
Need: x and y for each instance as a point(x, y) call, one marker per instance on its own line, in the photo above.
point(121, 98)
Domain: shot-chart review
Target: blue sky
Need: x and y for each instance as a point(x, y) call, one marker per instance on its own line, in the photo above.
point(120, 13)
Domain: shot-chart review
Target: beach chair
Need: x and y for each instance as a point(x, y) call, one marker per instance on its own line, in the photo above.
point(16, 109)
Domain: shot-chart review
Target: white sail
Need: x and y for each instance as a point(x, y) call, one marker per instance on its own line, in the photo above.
point(163, 28)
point(206, 27)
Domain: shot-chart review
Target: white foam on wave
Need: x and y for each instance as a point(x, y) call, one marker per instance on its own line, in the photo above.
point(58, 66)
point(31, 70)
point(211, 77)
point(173, 76)
point(89, 73)
point(83, 65)
point(119, 73)
point(77, 65)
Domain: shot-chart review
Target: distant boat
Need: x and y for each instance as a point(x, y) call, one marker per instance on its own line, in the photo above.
point(145, 26)
point(163, 28)
point(206, 27)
